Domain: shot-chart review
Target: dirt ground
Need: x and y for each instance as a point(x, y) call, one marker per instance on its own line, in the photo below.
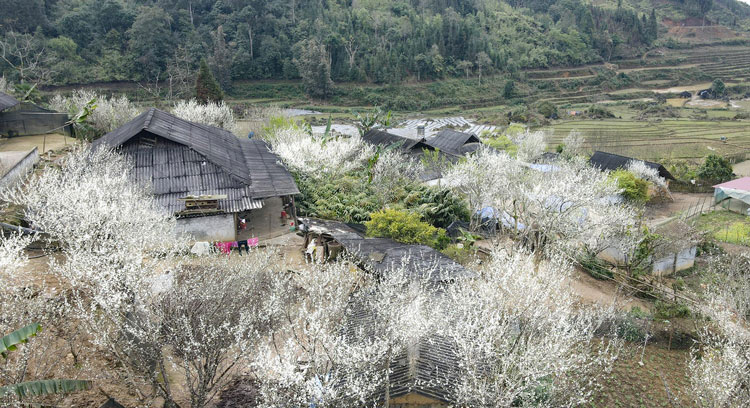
point(742, 168)
point(25, 143)
point(660, 212)
point(596, 291)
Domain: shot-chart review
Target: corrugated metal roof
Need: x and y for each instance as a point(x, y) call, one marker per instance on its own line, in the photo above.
point(739, 184)
point(385, 139)
point(611, 161)
point(179, 158)
point(7, 101)
point(451, 141)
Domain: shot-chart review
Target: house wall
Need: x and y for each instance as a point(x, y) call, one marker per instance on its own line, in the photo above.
point(20, 169)
point(210, 228)
point(735, 205)
point(30, 120)
point(685, 259)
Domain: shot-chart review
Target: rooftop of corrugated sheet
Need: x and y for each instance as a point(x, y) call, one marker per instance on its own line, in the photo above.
point(179, 158)
point(451, 141)
point(611, 161)
point(7, 101)
point(385, 139)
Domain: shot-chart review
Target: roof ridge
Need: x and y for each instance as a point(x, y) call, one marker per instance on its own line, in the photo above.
point(149, 116)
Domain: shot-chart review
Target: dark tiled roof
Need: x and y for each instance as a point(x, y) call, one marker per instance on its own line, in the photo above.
point(7, 101)
point(611, 161)
point(382, 255)
point(451, 141)
point(385, 139)
point(179, 158)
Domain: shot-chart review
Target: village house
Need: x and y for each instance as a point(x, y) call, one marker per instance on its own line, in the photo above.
point(424, 373)
point(412, 147)
point(208, 177)
point(26, 118)
point(734, 195)
point(454, 142)
point(612, 162)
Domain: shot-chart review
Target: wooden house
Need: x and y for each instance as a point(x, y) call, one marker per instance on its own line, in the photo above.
point(206, 176)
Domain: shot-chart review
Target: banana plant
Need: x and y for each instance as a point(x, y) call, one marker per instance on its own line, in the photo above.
point(38, 388)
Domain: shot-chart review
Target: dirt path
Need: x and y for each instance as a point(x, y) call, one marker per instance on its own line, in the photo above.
point(25, 143)
point(742, 168)
point(603, 292)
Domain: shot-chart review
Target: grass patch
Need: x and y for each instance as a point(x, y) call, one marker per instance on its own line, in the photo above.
point(726, 226)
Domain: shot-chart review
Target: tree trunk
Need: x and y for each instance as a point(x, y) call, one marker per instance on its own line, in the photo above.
point(250, 34)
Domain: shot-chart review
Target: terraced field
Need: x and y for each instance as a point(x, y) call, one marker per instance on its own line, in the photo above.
point(676, 139)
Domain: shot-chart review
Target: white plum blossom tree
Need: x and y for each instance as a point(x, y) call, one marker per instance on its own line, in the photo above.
point(217, 114)
point(568, 207)
point(720, 363)
point(111, 112)
point(168, 322)
point(521, 339)
point(531, 145)
point(316, 156)
point(573, 144)
point(650, 174)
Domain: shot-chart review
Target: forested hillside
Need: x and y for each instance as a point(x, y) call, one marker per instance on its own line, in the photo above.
point(378, 41)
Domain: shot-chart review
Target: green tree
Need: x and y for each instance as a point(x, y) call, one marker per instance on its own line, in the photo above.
point(509, 89)
point(221, 60)
point(151, 41)
point(406, 227)
point(465, 66)
point(206, 87)
point(718, 89)
point(633, 188)
point(483, 60)
point(314, 66)
point(715, 169)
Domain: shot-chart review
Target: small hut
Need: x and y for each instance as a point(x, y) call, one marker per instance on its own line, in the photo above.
point(734, 195)
point(611, 161)
point(25, 119)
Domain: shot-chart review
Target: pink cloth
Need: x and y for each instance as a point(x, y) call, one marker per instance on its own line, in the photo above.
point(234, 244)
point(252, 242)
point(224, 247)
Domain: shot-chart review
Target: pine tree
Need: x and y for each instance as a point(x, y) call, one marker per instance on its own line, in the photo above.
point(206, 87)
point(653, 26)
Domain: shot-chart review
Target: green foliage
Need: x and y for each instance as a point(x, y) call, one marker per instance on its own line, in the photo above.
point(315, 68)
point(406, 227)
point(547, 109)
point(599, 112)
point(718, 89)
point(28, 389)
point(634, 189)
point(595, 266)
point(438, 206)
point(463, 254)
point(207, 89)
point(502, 142)
point(11, 341)
point(45, 387)
point(348, 198)
point(369, 120)
point(509, 89)
point(670, 310)
point(715, 168)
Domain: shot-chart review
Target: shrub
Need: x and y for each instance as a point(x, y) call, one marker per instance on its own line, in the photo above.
point(715, 168)
point(599, 112)
point(633, 188)
point(548, 110)
point(667, 310)
point(438, 206)
point(595, 267)
point(463, 255)
point(406, 227)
